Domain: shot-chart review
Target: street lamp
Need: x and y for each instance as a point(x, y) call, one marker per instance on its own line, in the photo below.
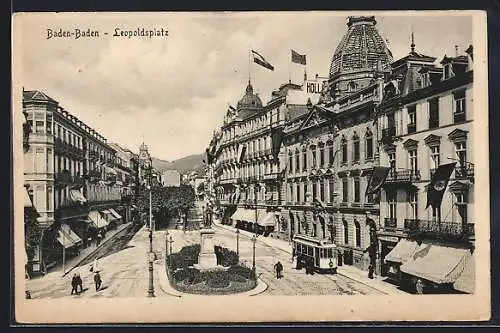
point(238, 241)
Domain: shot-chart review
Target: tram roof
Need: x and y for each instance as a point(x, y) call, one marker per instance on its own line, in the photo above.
point(312, 242)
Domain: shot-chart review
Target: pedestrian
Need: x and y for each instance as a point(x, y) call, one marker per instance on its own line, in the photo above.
point(98, 239)
point(97, 281)
point(74, 284)
point(277, 269)
point(95, 266)
point(79, 282)
point(280, 270)
point(293, 254)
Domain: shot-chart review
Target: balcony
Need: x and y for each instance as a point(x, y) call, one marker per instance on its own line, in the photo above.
point(388, 134)
point(442, 230)
point(228, 181)
point(403, 176)
point(411, 128)
point(459, 117)
point(464, 171)
point(271, 176)
point(390, 223)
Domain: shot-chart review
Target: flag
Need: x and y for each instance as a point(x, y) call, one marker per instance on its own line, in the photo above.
point(298, 58)
point(259, 59)
point(438, 184)
point(377, 179)
point(276, 139)
point(241, 156)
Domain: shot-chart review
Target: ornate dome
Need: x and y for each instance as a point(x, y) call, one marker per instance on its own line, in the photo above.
point(249, 100)
point(360, 48)
point(143, 147)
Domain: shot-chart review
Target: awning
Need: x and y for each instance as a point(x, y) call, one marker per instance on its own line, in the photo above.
point(77, 196)
point(248, 215)
point(27, 200)
point(437, 263)
point(67, 237)
point(267, 220)
point(466, 282)
point(110, 170)
point(109, 216)
point(403, 250)
point(97, 219)
point(115, 214)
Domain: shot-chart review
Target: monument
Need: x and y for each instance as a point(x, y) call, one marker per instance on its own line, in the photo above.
point(207, 258)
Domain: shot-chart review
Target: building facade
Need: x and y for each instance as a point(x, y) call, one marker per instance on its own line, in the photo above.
point(68, 168)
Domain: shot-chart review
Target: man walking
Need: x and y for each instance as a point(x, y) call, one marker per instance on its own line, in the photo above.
point(79, 282)
point(74, 284)
point(278, 267)
point(97, 281)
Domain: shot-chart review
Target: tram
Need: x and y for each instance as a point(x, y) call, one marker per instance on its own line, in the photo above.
point(318, 254)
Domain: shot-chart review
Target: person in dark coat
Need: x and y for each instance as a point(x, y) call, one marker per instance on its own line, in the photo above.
point(74, 284)
point(278, 268)
point(372, 253)
point(97, 281)
point(79, 282)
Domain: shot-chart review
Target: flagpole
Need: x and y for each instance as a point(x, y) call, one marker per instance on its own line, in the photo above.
point(249, 62)
point(290, 71)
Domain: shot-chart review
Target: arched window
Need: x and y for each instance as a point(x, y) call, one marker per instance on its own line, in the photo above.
point(304, 159)
point(313, 154)
point(321, 148)
point(358, 233)
point(329, 147)
point(290, 161)
point(346, 232)
point(344, 149)
point(355, 146)
point(297, 160)
point(369, 144)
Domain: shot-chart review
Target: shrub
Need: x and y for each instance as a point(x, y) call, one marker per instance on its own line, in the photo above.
point(237, 278)
point(191, 251)
point(245, 272)
point(175, 261)
point(217, 279)
point(226, 257)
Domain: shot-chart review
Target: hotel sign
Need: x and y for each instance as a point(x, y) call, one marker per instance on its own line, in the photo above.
point(315, 86)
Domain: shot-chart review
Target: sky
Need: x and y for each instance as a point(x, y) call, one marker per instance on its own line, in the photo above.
point(172, 92)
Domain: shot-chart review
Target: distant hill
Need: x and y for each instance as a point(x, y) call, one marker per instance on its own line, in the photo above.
point(183, 165)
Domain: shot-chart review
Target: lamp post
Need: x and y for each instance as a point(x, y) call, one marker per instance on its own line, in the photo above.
point(254, 238)
point(151, 290)
point(238, 242)
point(170, 241)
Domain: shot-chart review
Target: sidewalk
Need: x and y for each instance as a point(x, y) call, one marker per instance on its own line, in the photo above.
point(160, 268)
point(85, 253)
point(347, 271)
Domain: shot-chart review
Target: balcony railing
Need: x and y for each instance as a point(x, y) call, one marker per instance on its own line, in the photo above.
point(436, 229)
point(464, 171)
point(270, 176)
point(390, 223)
point(388, 134)
point(459, 117)
point(403, 176)
point(411, 128)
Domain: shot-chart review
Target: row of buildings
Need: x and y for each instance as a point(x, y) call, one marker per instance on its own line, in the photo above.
point(77, 183)
point(300, 163)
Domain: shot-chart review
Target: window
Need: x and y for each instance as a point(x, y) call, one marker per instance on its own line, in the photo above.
point(314, 190)
point(321, 155)
point(345, 190)
point(370, 197)
point(297, 161)
point(369, 145)
point(344, 150)
point(49, 124)
point(435, 214)
point(313, 153)
point(435, 159)
point(304, 159)
point(413, 201)
point(391, 199)
point(346, 231)
point(332, 190)
point(461, 204)
point(39, 127)
point(392, 160)
point(447, 71)
point(50, 161)
point(290, 162)
point(461, 151)
point(357, 229)
point(322, 191)
point(356, 190)
point(40, 160)
point(297, 192)
point(49, 198)
point(459, 112)
point(355, 140)
point(64, 137)
point(412, 119)
point(412, 155)
point(330, 153)
point(434, 113)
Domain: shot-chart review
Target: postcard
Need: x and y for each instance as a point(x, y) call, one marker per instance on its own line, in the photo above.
point(229, 167)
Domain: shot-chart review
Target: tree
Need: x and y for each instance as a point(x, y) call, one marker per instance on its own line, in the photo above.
point(166, 202)
point(32, 232)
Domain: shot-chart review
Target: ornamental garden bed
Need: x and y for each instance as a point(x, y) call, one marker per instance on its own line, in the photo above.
point(233, 278)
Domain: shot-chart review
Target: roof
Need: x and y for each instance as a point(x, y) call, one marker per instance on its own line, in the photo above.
point(37, 95)
point(360, 48)
point(294, 111)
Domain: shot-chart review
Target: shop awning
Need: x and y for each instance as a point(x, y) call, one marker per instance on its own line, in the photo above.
point(27, 200)
point(97, 219)
point(437, 263)
point(267, 220)
point(466, 282)
point(403, 250)
point(114, 213)
point(245, 214)
point(109, 216)
point(77, 196)
point(67, 237)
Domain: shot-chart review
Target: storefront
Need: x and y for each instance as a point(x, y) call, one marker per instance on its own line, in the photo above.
point(398, 254)
point(434, 266)
point(387, 244)
point(69, 240)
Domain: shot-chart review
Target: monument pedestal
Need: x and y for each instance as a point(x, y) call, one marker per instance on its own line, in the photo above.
point(207, 258)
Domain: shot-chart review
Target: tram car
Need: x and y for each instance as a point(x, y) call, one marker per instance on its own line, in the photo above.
point(319, 255)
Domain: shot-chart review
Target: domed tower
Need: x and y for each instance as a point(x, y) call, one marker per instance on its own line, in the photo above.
point(249, 103)
point(144, 157)
point(361, 53)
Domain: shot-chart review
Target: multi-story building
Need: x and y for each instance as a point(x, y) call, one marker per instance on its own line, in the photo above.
point(68, 168)
point(124, 165)
point(170, 178)
point(425, 120)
